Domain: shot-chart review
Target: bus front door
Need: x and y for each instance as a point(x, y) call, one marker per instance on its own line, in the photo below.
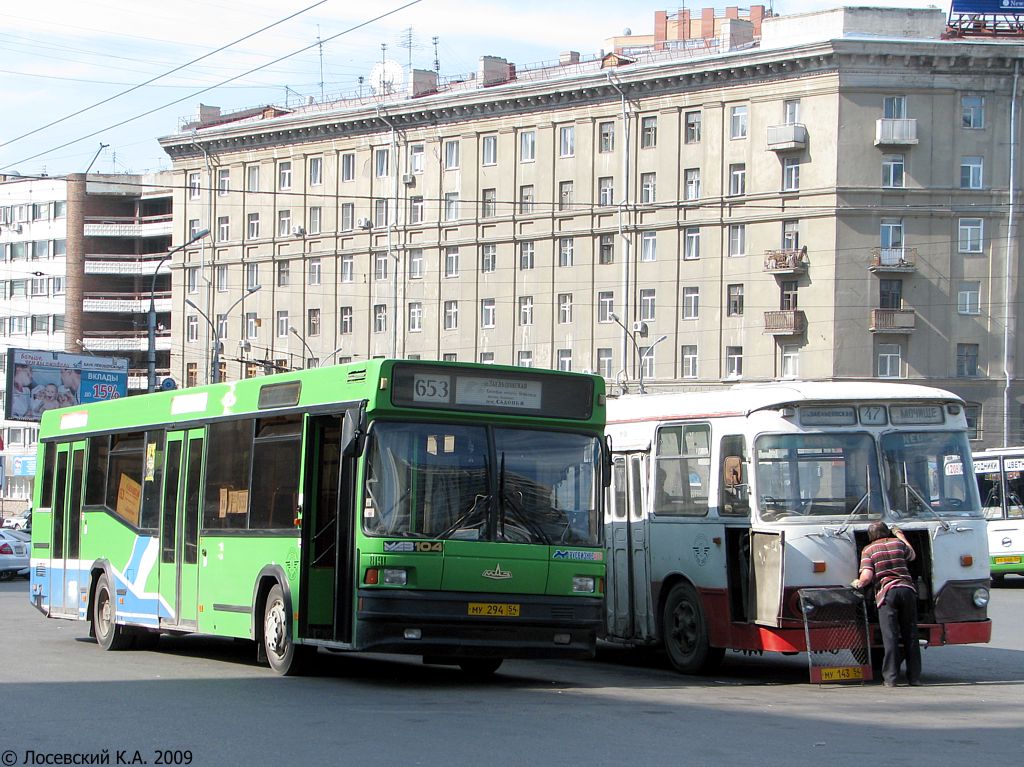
point(66, 531)
point(629, 614)
point(179, 528)
point(767, 574)
point(326, 581)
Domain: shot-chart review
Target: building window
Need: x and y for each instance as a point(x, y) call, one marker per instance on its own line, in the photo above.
point(738, 122)
point(380, 212)
point(527, 146)
point(451, 154)
point(57, 286)
point(487, 312)
point(791, 111)
point(691, 303)
point(253, 226)
point(971, 172)
point(348, 167)
point(220, 275)
point(790, 174)
point(734, 307)
point(565, 251)
point(524, 359)
point(380, 265)
point(606, 249)
point(415, 317)
point(223, 182)
point(737, 239)
point(252, 178)
point(526, 198)
point(734, 361)
point(894, 107)
point(315, 214)
point(490, 203)
point(525, 310)
point(966, 360)
point(284, 175)
point(692, 127)
point(488, 258)
point(315, 272)
point(252, 276)
point(283, 273)
point(970, 235)
point(564, 357)
point(416, 157)
point(648, 187)
point(738, 178)
point(606, 137)
point(380, 318)
point(489, 150)
point(891, 239)
point(526, 254)
point(648, 132)
point(647, 304)
point(648, 246)
point(451, 206)
point(191, 328)
point(968, 298)
point(972, 414)
point(605, 306)
point(416, 263)
point(195, 185)
point(381, 162)
point(788, 295)
point(284, 223)
point(223, 228)
point(348, 268)
point(790, 361)
point(604, 361)
point(567, 141)
point(972, 111)
point(889, 361)
point(451, 262)
point(191, 279)
point(345, 320)
point(605, 191)
point(416, 210)
point(191, 374)
point(892, 171)
point(691, 243)
point(564, 308)
point(348, 216)
point(451, 315)
point(316, 171)
point(691, 184)
point(688, 354)
point(565, 195)
point(791, 235)
point(284, 324)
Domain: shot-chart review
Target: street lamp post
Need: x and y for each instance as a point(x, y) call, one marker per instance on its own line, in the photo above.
point(215, 373)
point(151, 320)
point(303, 340)
point(643, 356)
point(329, 356)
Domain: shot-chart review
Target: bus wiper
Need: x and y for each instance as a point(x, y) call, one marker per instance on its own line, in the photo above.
point(505, 501)
point(465, 517)
point(849, 517)
point(920, 499)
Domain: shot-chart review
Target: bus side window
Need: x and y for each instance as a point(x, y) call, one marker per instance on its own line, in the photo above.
point(227, 475)
point(49, 464)
point(732, 486)
point(682, 467)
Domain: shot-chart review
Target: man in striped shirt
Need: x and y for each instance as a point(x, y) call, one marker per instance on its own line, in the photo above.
point(884, 562)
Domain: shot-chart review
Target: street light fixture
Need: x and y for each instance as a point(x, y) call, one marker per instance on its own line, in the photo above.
point(308, 350)
point(151, 320)
point(329, 356)
point(215, 373)
point(641, 356)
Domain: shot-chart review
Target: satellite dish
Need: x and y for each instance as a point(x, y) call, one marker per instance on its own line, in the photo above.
point(386, 78)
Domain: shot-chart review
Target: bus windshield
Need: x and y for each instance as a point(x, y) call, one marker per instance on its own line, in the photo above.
point(926, 477)
point(803, 475)
point(482, 483)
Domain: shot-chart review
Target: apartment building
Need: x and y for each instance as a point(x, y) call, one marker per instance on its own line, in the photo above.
point(78, 260)
point(826, 200)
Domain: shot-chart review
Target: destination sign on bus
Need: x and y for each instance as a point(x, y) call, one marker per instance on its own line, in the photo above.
point(916, 414)
point(833, 415)
point(526, 393)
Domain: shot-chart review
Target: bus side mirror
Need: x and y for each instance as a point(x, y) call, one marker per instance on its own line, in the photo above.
point(732, 470)
point(353, 432)
point(606, 462)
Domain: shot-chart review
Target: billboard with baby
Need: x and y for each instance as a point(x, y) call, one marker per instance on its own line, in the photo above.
point(42, 380)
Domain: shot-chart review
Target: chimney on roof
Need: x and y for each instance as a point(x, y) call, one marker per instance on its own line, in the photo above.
point(568, 58)
point(207, 113)
point(422, 82)
point(493, 71)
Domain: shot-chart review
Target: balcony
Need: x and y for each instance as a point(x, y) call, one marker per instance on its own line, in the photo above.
point(890, 132)
point(786, 322)
point(786, 261)
point(787, 138)
point(111, 342)
point(126, 303)
point(893, 260)
point(893, 320)
point(129, 226)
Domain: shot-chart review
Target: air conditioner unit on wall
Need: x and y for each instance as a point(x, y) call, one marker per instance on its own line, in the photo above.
point(298, 231)
point(408, 179)
point(363, 223)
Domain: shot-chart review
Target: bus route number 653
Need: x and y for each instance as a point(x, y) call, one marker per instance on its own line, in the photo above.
point(431, 388)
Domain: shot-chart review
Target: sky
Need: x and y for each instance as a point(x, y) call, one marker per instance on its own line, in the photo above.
point(65, 64)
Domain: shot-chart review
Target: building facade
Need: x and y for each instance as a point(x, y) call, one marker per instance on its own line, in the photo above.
point(78, 260)
point(792, 206)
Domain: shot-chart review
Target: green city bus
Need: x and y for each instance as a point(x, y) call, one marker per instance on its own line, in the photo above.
point(447, 510)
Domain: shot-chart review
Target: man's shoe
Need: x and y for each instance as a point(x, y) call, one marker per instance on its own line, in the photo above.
point(916, 683)
point(888, 684)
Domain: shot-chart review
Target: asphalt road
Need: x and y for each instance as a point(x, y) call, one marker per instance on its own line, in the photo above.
point(203, 701)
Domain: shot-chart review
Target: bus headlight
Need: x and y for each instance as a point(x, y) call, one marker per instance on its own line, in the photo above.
point(980, 597)
point(583, 584)
point(393, 576)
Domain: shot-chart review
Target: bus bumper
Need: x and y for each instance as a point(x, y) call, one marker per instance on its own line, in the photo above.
point(440, 624)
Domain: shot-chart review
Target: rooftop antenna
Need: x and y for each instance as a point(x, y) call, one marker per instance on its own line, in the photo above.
point(361, 81)
point(320, 45)
point(437, 61)
point(406, 42)
point(102, 147)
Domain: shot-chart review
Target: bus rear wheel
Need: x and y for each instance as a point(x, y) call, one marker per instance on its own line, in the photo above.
point(284, 656)
point(109, 634)
point(685, 633)
point(480, 668)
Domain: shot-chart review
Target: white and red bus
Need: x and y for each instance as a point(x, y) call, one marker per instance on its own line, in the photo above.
point(725, 505)
point(1000, 474)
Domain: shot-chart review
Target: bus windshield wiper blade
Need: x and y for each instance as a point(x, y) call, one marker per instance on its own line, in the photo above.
point(465, 517)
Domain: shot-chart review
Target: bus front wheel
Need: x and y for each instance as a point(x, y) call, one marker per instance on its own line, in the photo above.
point(109, 635)
point(282, 653)
point(685, 632)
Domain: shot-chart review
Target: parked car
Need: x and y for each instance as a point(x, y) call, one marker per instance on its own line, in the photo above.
point(20, 520)
point(14, 547)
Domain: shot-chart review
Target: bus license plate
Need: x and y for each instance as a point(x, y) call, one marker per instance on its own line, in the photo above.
point(841, 673)
point(494, 609)
point(1007, 560)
